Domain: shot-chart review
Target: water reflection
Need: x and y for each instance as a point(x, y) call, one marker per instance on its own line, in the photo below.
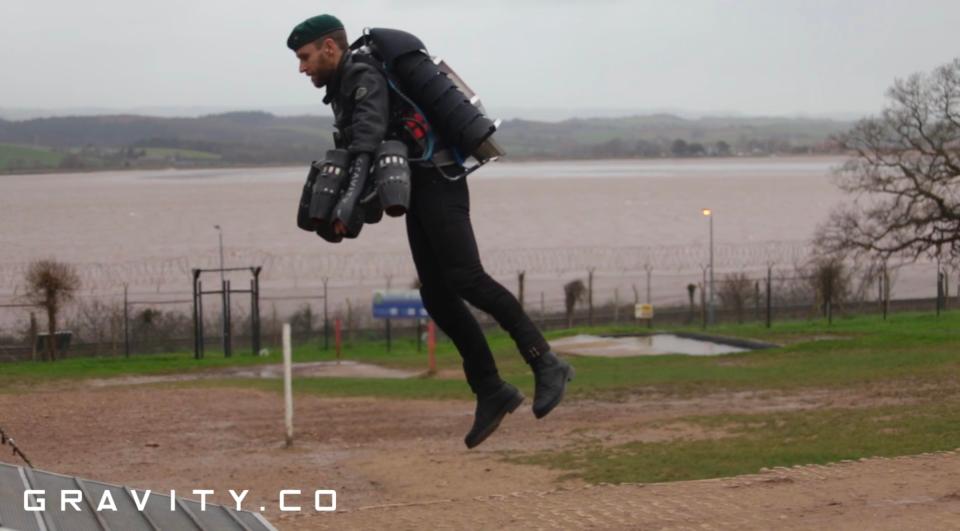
point(652, 345)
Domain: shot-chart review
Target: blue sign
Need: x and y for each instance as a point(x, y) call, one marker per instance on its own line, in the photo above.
point(398, 305)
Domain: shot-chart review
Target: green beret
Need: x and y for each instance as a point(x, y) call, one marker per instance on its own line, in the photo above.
point(312, 29)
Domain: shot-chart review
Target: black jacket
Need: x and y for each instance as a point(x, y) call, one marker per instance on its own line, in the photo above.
point(360, 98)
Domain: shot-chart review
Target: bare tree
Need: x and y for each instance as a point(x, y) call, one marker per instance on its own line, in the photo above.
point(905, 173)
point(691, 292)
point(51, 285)
point(99, 323)
point(573, 292)
point(735, 290)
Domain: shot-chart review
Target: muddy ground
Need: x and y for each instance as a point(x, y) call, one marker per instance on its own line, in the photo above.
point(402, 463)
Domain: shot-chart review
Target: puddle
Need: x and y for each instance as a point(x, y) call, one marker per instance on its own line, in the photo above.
point(650, 345)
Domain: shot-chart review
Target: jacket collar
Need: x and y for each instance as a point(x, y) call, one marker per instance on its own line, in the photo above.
point(333, 87)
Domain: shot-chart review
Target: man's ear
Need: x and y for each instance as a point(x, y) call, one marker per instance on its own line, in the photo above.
point(329, 47)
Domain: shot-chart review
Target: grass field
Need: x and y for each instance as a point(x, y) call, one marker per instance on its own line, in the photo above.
point(904, 371)
point(916, 347)
point(22, 157)
point(183, 154)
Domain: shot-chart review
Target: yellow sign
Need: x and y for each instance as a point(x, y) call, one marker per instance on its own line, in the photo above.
point(643, 311)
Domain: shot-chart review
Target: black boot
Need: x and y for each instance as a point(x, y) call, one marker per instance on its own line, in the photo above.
point(491, 408)
point(551, 375)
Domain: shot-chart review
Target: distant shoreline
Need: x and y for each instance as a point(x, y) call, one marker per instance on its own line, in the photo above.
point(70, 171)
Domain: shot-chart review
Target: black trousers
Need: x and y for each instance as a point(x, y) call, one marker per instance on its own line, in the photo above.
point(448, 263)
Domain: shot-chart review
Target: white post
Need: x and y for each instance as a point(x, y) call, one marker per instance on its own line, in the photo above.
point(288, 383)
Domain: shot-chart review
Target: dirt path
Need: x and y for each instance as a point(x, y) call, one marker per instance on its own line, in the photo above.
point(402, 464)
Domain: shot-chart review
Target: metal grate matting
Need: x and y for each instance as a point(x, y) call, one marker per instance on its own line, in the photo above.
point(157, 515)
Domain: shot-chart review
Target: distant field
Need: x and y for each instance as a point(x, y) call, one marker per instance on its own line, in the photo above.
point(183, 154)
point(13, 156)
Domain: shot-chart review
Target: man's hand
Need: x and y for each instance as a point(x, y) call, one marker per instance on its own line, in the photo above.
point(339, 228)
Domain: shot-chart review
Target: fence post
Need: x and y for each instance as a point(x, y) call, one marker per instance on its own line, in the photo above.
point(196, 345)
point(616, 305)
point(543, 312)
point(520, 278)
point(256, 310)
point(33, 336)
point(703, 306)
point(590, 296)
point(756, 300)
point(326, 320)
point(649, 270)
point(288, 383)
point(880, 290)
point(431, 348)
point(769, 294)
point(946, 290)
point(336, 331)
point(126, 324)
point(703, 299)
point(886, 291)
point(419, 333)
point(225, 315)
point(939, 291)
point(200, 317)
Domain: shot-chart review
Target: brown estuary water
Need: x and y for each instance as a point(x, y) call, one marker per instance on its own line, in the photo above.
point(554, 220)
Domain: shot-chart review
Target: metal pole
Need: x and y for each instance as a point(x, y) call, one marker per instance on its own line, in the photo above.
point(649, 270)
point(710, 317)
point(224, 318)
point(220, 235)
point(703, 300)
point(126, 324)
point(946, 290)
point(769, 294)
point(288, 384)
point(649, 301)
point(389, 338)
point(616, 306)
point(543, 312)
point(520, 277)
point(256, 310)
point(939, 291)
point(326, 321)
point(590, 297)
point(886, 292)
point(200, 316)
point(253, 317)
point(419, 333)
point(196, 344)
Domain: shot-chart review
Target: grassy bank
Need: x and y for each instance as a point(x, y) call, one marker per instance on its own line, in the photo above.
point(915, 347)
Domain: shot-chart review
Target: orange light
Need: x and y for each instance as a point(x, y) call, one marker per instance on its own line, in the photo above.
point(707, 212)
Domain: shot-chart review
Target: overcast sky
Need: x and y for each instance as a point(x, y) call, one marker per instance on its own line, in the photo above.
point(758, 57)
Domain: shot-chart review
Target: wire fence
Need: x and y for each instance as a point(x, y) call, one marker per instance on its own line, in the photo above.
point(109, 323)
